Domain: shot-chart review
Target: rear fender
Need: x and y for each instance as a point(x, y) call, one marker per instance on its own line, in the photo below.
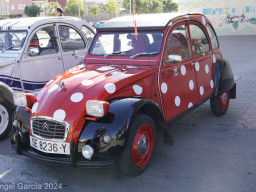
point(223, 77)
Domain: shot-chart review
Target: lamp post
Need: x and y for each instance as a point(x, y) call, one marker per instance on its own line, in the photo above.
point(79, 8)
point(162, 7)
point(130, 7)
point(84, 10)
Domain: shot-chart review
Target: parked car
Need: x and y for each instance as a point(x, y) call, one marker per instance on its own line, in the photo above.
point(98, 24)
point(110, 108)
point(33, 51)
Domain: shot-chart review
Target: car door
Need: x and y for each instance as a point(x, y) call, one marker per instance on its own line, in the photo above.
point(42, 58)
point(203, 60)
point(73, 46)
point(177, 75)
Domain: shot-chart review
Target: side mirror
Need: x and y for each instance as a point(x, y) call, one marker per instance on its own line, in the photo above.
point(33, 51)
point(174, 59)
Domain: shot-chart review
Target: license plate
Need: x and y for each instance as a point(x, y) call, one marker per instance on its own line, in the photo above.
point(50, 146)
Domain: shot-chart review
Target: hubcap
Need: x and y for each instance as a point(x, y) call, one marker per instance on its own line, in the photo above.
point(142, 145)
point(4, 119)
point(223, 100)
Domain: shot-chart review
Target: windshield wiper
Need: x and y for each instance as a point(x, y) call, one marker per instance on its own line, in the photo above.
point(10, 48)
point(116, 53)
point(142, 54)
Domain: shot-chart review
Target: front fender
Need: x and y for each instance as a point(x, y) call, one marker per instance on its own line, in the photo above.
point(115, 124)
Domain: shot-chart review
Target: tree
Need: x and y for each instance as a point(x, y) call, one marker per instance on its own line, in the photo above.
point(94, 10)
point(32, 11)
point(169, 6)
point(72, 8)
point(110, 7)
point(50, 8)
point(151, 6)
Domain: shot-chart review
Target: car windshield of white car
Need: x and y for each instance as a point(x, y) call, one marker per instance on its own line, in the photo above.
point(12, 40)
point(127, 44)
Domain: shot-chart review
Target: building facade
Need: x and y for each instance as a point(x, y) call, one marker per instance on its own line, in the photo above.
point(18, 6)
point(61, 2)
point(229, 17)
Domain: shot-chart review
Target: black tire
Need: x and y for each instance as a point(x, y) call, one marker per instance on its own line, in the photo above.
point(5, 130)
point(218, 108)
point(125, 160)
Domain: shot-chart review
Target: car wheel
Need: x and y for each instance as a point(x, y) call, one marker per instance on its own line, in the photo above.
point(219, 104)
point(140, 145)
point(5, 119)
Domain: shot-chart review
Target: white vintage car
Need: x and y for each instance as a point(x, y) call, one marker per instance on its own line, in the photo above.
point(33, 51)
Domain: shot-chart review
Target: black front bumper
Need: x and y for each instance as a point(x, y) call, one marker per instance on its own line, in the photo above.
point(73, 161)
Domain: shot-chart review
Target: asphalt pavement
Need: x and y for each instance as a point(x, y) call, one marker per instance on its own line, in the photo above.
point(210, 154)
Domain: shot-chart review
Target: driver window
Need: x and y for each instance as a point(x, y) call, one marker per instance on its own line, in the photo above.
point(44, 42)
point(200, 43)
point(178, 48)
point(88, 34)
point(70, 39)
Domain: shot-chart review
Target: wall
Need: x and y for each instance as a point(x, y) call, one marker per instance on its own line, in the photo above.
point(229, 17)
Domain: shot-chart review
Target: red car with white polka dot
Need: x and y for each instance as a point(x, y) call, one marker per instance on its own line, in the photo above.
point(132, 84)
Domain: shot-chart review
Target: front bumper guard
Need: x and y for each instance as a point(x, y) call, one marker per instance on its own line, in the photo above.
point(72, 161)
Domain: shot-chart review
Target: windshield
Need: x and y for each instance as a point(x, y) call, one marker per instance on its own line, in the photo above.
point(12, 40)
point(127, 44)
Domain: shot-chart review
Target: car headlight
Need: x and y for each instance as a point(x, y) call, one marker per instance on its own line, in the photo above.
point(23, 99)
point(97, 108)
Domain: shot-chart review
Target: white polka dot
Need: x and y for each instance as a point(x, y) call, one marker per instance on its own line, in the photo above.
point(34, 107)
point(191, 84)
point(211, 83)
point(197, 66)
point(53, 88)
point(77, 97)
point(87, 82)
point(59, 114)
point(203, 19)
point(183, 70)
point(110, 87)
point(201, 90)
point(206, 68)
point(137, 89)
point(164, 88)
point(187, 16)
point(105, 68)
point(214, 59)
point(190, 104)
point(177, 101)
point(170, 24)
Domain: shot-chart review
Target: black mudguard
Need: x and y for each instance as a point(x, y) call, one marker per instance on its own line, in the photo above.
point(116, 124)
point(223, 78)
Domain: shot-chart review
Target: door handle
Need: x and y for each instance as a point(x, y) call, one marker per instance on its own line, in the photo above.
point(192, 64)
point(59, 57)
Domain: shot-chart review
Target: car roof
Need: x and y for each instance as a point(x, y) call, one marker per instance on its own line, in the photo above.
point(157, 21)
point(29, 22)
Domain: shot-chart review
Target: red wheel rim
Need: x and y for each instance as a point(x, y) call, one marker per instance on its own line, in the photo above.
point(142, 146)
point(223, 100)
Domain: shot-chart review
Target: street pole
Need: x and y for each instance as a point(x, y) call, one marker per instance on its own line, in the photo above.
point(162, 7)
point(84, 10)
point(116, 8)
point(79, 8)
point(130, 7)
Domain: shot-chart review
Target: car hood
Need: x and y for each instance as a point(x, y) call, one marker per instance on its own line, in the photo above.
point(89, 82)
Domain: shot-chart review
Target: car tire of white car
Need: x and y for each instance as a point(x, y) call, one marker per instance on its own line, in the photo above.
point(5, 119)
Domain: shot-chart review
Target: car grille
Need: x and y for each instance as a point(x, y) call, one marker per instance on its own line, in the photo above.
point(48, 128)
